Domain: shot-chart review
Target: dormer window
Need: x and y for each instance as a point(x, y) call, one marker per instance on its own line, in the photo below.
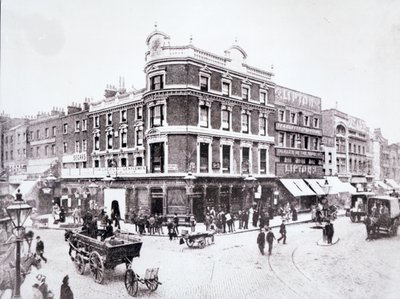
point(226, 88)
point(156, 82)
point(203, 83)
point(245, 93)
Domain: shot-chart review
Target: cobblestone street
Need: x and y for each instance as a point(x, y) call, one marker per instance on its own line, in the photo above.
point(234, 268)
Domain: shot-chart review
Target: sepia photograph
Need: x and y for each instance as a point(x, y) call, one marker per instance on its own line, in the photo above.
point(199, 149)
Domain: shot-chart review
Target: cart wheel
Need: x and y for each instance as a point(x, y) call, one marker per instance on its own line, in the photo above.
point(202, 243)
point(96, 267)
point(131, 282)
point(152, 284)
point(189, 242)
point(79, 264)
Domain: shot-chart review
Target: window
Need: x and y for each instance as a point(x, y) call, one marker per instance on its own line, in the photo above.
point(263, 126)
point(316, 144)
point(292, 140)
point(306, 121)
point(12, 137)
point(316, 122)
point(226, 119)
point(350, 147)
point(19, 135)
point(359, 149)
point(263, 98)
point(245, 123)
point(54, 129)
point(97, 142)
point(96, 122)
point(157, 157)
point(123, 162)
point(363, 149)
point(65, 147)
point(245, 160)
point(32, 154)
point(76, 164)
point(109, 139)
point(124, 116)
point(263, 161)
point(293, 118)
point(245, 93)
point(96, 163)
point(156, 82)
point(330, 157)
point(226, 158)
point(281, 139)
point(109, 119)
point(77, 126)
point(203, 83)
point(281, 115)
point(139, 137)
point(37, 152)
point(139, 161)
point(84, 145)
point(124, 138)
point(139, 113)
point(53, 149)
point(225, 88)
point(6, 140)
point(18, 153)
point(84, 124)
point(156, 116)
point(24, 152)
point(46, 150)
point(204, 157)
point(354, 148)
point(204, 116)
point(65, 128)
point(306, 142)
point(46, 133)
point(77, 147)
point(37, 136)
point(12, 154)
point(6, 155)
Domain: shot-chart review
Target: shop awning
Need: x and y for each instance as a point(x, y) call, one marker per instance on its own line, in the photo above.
point(351, 189)
point(382, 185)
point(316, 186)
point(337, 186)
point(392, 183)
point(297, 187)
point(25, 188)
point(358, 180)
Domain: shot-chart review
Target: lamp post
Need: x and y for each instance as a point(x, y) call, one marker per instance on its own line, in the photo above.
point(18, 212)
point(250, 180)
point(326, 187)
point(189, 178)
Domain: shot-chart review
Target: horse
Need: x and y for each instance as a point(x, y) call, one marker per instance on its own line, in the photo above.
point(8, 272)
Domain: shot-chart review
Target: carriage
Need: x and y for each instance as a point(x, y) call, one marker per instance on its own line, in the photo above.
point(385, 214)
point(198, 239)
point(358, 206)
point(106, 255)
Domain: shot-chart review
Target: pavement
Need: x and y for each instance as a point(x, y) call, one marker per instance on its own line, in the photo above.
point(200, 227)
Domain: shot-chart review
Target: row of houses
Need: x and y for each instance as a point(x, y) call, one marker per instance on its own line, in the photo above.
point(206, 130)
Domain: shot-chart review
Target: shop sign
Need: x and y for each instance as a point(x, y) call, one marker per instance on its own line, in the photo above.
point(285, 169)
point(287, 152)
point(297, 129)
point(172, 167)
point(77, 157)
point(293, 98)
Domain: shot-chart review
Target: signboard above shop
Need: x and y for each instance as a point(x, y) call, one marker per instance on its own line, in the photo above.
point(298, 129)
point(77, 157)
point(289, 152)
point(298, 170)
point(289, 97)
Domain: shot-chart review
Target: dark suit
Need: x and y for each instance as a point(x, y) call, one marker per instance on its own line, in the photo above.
point(282, 231)
point(261, 242)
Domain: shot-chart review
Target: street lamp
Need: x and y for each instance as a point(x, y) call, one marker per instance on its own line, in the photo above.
point(18, 212)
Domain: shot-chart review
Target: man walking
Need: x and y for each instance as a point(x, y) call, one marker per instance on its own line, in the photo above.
point(176, 224)
point(368, 226)
point(261, 240)
point(282, 231)
point(40, 248)
point(329, 231)
point(270, 240)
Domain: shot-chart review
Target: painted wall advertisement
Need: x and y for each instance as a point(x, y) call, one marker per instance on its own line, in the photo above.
point(289, 97)
point(298, 170)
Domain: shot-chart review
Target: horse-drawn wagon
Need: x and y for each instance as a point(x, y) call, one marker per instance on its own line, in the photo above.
point(385, 214)
point(102, 255)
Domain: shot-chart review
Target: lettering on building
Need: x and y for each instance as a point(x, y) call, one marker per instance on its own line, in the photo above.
point(289, 97)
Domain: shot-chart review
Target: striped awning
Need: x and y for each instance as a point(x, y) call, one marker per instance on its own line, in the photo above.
point(297, 187)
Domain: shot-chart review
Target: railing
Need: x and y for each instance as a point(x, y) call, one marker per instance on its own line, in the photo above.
point(102, 172)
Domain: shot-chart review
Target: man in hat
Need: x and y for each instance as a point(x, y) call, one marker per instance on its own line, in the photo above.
point(65, 291)
point(282, 231)
point(270, 240)
point(40, 248)
point(261, 240)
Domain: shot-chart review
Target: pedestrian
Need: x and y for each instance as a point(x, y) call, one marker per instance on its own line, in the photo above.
point(329, 230)
point(117, 217)
point(255, 218)
point(171, 230)
point(75, 216)
point(282, 231)
point(270, 240)
point(152, 223)
point(245, 220)
point(65, 290)
point(40, 248)
point(229, 221)
point(207, 221)
point(261, 240)
point(223, 221)
point(250, 213)
point(294, 214)
point(176, 224)
point(41, 289)
point(368, 225)
point(240, 218)
point(192, 223)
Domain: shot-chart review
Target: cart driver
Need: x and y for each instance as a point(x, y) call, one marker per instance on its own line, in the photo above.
point(109, 231)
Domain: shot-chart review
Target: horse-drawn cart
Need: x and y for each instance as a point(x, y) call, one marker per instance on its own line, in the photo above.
point(198, 239)
point(102, 255)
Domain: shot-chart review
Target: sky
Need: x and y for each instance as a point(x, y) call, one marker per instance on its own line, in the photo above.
point(56, 52)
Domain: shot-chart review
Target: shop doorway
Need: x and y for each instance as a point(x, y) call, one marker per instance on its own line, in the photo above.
point(115, 198)
point(198, 207)
point(157, 197)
